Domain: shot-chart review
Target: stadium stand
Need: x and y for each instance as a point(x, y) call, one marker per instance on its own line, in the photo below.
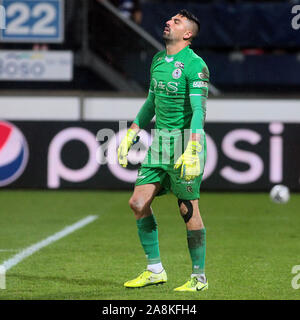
point(248, 45)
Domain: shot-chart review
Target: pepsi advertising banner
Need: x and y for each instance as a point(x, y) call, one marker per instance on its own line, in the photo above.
point(14, 153)
point(83, 155)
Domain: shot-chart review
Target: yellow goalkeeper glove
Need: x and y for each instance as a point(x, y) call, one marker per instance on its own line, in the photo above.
point(125, 145)
point(190, 161)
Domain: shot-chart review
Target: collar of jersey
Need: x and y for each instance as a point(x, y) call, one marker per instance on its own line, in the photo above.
point(171, 57)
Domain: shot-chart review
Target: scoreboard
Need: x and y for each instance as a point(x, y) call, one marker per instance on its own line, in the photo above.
point(33, 21)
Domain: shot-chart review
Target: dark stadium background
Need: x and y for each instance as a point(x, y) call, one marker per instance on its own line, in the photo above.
point(86, 70)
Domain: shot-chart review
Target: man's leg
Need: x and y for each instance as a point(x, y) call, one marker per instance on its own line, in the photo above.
point(140, 203)
point(196, 236)
point(196, 239)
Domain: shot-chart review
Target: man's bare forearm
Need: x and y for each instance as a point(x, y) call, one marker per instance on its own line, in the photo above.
point(135, 127)
point(195, 137)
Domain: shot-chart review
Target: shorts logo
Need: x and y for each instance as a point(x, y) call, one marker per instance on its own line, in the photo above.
point(176, 73)
point(189, 189)
point(139, 176)
point(200, 84)
point(13, 153)
point(179, 64)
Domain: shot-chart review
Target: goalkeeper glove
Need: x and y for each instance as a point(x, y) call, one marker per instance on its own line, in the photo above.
point(125, 145)
point(190, 161)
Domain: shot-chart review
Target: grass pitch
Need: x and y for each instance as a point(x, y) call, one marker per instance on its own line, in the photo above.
point(252, 246)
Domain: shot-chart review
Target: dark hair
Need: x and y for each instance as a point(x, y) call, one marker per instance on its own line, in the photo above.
point(190, 16)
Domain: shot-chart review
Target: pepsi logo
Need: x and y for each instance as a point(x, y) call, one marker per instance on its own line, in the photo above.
point(13, 153)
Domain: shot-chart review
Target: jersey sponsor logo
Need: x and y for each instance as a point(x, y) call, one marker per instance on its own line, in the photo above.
point(179, 64)
point(13, 153)
point(161, 85)
point(171, 86)
point(154, 83)
point(177, 73)
point(200, 84)
point(201, 75)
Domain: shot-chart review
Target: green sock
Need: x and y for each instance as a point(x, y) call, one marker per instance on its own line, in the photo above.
point(197, 247)
point(148, 234)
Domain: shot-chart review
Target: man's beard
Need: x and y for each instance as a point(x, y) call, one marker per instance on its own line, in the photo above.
point(167, 37)
point(167, 34)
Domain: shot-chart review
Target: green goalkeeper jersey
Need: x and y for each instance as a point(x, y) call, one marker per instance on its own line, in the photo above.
point(177, 97)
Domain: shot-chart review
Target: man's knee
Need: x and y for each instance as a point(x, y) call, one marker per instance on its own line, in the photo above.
point(186, 209)
point(138, 204)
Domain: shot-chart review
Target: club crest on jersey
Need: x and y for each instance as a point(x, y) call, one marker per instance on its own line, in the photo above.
point(204, 74)
point(179, 64)
point(176, 73)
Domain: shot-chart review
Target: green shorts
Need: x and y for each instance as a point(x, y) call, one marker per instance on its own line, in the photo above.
point(170, 180)
point(165, 174)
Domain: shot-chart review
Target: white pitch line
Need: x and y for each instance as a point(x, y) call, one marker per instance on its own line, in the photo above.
point(39, 245)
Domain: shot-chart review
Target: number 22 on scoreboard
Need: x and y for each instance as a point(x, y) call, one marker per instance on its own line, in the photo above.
point(31, 20)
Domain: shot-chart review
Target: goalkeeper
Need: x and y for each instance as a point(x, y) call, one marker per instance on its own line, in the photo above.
point(177, 97)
